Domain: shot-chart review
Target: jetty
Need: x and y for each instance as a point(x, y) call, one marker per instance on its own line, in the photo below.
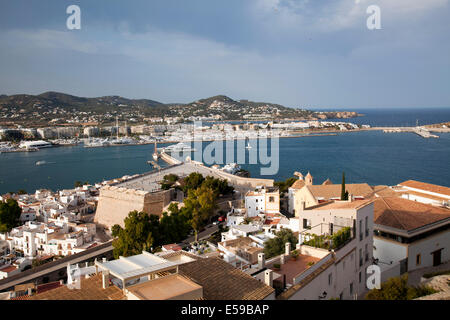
point(420, 131)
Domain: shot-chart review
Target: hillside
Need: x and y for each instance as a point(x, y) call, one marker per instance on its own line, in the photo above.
point(60, 108)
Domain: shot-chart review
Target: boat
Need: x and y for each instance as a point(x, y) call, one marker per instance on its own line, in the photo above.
point(40, 163)
point(248, 146)
point(179, 147)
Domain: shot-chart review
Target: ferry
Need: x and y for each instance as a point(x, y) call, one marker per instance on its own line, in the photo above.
point(35, 144)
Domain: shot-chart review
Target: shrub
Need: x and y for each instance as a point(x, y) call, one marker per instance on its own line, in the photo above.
point(276, 266)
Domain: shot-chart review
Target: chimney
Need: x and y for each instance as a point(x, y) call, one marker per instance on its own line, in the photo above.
point(30, 291)
point(261, 260)
point(268, 277)
point(288, 248)
point(105, 279)
point(104, 260)
point(350, 198)
point(282, 259)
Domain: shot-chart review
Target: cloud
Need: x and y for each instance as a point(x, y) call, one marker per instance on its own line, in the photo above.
point(332, 16)
point(48, 39)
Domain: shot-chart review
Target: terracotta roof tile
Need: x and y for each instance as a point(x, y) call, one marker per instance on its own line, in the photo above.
point(222, 281)
point(426, 187)
point(405, 214)
point(334, 190)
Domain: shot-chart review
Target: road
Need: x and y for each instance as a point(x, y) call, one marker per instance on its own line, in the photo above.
point(202, 235)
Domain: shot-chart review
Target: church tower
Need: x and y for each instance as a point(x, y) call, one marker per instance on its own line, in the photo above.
point(309, 179)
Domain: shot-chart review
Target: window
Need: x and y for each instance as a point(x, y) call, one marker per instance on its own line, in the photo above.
point(343, 265)
point(360, 230)
point(367, 226)
point(306, 224)
point(367, 253)
point(330, 279)
point(351, 288)
point(418, 260)
point(360, 277)
point(271, 199)
point(341, 296)
point(360, 258)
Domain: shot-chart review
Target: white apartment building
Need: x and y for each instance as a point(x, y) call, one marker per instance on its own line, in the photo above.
point(337, 271)
point(35, 238)
point(262, 200)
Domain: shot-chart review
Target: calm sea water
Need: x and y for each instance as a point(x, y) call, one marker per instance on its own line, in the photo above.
point(372, 157)
point(400, 117)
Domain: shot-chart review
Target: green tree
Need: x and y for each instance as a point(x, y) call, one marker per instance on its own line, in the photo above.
point(285, 185)
point(219, 186)
point(174, 224)
point(78, 184)
point(193, 181)
point(344, 193)
point(137, 236)
point(9, 215)
point(276, 246)
point(397, 289)
point(201, 204)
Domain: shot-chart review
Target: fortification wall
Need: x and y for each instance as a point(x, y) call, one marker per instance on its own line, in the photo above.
point(116, 203)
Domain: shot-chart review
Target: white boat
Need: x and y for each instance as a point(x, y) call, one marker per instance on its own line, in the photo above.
point(39, 163)
point(248, 146)
point(96, 143)
point(179, 147)
point(35, 144)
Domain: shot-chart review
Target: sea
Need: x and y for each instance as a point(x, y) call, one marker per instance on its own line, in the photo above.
point(373, 157)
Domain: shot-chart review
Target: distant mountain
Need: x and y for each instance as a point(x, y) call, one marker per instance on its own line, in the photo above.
point(50, 105)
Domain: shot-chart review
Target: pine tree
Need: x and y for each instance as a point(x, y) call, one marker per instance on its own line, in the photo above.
point(344, 193)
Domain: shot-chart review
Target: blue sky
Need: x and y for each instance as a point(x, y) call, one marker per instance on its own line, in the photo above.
point(300, 53)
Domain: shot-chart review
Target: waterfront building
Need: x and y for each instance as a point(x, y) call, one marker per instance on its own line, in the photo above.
point(409, 235)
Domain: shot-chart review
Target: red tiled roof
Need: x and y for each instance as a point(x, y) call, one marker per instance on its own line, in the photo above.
point(426, 186)
point(48, 286)
point(405, 214)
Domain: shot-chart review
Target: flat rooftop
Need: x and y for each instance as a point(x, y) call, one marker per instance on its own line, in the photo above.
point(173, 287)
point(293, 268)
point(135, 266)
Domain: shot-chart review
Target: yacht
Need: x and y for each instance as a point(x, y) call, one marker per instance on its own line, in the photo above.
point(179, 147)
point(39, 163)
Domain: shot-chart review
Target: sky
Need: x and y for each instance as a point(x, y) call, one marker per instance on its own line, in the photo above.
point(299, 53)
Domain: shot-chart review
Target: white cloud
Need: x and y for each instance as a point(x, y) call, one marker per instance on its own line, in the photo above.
point(336, 15)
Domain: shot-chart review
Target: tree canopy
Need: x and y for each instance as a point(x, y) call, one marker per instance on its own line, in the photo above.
point(201, 203)
point(285, 185)
point(9, 215)
point(398, 289)
point(276, 246)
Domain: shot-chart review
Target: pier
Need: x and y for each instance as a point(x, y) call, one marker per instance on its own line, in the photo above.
point(420, 131)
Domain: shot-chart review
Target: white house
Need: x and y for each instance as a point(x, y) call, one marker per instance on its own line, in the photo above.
point(262, 200)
